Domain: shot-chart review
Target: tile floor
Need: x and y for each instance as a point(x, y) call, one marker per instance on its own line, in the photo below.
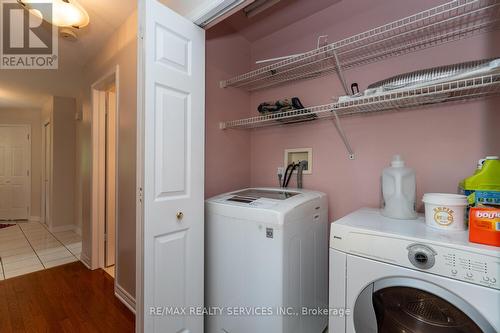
point(29, 246)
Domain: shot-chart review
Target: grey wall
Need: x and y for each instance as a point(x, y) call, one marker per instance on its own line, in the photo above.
point(63, 166)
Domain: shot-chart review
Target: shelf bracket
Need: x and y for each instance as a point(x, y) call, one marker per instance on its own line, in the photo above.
point(340, 130)
point(341, 73)
point(344, 138)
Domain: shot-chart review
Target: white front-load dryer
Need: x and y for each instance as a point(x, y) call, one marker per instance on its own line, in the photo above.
point(266, 261)
point(391, 275)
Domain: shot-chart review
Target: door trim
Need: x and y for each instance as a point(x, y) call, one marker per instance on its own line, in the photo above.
point(28, 166)
point(208, 15)
point(139, 211)
point(97, 176)
point(43, 213)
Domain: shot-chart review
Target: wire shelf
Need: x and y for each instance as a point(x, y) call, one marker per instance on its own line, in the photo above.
point(448, 22)
point(459, 90)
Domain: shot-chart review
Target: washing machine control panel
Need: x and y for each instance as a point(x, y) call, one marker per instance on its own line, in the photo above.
point(471, 267)
point(461, 265)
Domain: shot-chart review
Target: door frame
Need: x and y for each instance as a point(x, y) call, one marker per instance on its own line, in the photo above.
point(43, 213)
point(98, 170)
point(28, 165)
point(110, 132)
point(139, 211)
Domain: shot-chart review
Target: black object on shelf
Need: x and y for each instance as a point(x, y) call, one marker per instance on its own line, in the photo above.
point(280, 107)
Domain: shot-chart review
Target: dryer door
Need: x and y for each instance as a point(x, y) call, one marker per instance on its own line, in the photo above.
point(406, 305)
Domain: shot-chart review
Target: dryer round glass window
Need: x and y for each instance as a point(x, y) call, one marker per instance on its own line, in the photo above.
point(403, 305)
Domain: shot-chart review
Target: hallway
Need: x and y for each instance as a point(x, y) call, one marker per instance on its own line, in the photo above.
point(29, 247)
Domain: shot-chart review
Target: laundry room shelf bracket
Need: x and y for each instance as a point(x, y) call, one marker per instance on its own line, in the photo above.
point(344, 138)
point(340, 72)
point(336, 119)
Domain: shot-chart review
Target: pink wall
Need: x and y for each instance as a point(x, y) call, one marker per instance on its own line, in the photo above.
point(442, 143)
point(227, 163)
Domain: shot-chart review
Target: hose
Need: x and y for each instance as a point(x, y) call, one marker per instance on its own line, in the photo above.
point(286, 173)
point(290, 174)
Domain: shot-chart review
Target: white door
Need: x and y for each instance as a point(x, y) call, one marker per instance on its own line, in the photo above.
point(172, 84)
point(110, 225)
point(14, 172)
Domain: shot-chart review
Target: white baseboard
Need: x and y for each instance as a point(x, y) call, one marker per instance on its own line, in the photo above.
point(86, 261)
point(35, 218)
point(125, 297)
point(78, 230)
point(68, 227)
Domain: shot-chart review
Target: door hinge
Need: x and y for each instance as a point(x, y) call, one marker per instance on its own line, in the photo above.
point(141, 33)
point(140, 195)
point(28, 136)
point(27, 173)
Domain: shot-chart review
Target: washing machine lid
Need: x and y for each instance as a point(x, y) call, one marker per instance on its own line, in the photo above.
point(271, 203)
point(252, 194)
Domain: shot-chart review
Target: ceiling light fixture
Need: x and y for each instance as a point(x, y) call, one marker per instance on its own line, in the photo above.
point(65, 13)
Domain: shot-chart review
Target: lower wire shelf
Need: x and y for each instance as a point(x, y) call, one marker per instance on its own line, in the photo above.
point(460, 90)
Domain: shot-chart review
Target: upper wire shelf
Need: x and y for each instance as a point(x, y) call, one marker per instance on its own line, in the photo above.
point(465, 89)
point(451, 21)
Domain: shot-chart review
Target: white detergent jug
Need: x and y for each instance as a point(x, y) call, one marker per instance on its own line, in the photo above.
point(399, 190)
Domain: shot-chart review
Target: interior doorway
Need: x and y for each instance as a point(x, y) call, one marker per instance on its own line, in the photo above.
point(104, 132)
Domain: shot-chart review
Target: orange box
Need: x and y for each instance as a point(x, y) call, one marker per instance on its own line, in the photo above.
point(484, 225)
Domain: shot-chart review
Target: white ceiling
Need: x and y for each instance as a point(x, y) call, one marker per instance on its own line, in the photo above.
point(105, 17)
point(32, 88)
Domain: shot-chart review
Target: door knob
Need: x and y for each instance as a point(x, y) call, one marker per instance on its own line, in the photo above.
point(179, 215)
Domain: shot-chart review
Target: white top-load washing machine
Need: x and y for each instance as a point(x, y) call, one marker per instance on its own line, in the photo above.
point(401, 276)
point(266, 260)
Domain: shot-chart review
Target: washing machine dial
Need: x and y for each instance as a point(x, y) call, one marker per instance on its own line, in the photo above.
point(421, 256)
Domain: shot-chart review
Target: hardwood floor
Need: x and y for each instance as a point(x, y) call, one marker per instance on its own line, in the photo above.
point(67, 298)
